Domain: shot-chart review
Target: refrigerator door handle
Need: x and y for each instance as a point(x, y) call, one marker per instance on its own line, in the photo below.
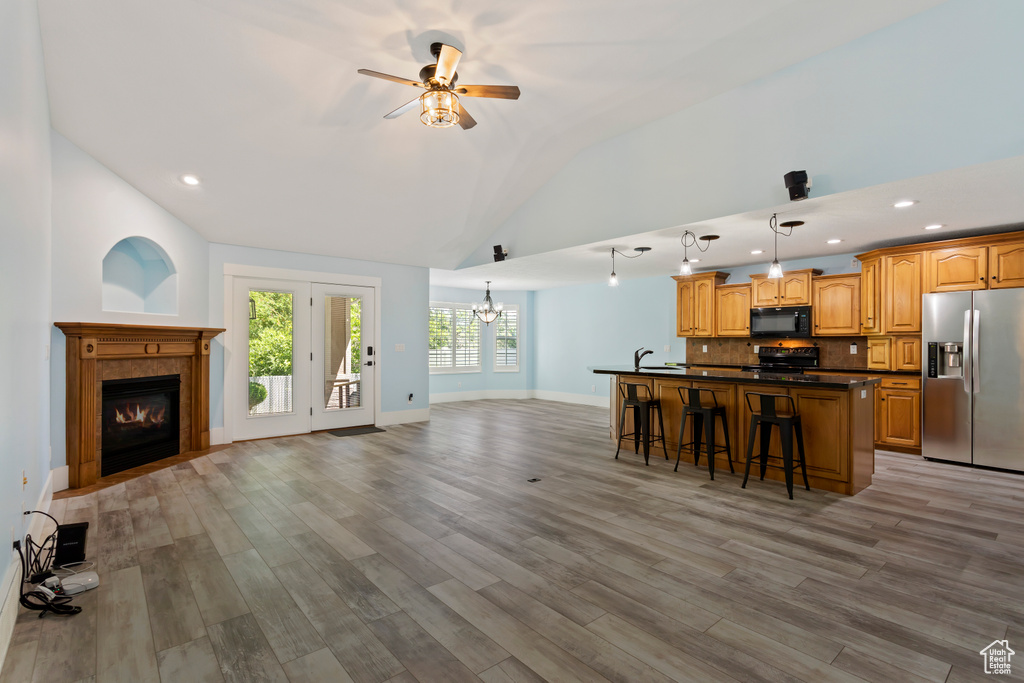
point(967, 366)
point(975, 353)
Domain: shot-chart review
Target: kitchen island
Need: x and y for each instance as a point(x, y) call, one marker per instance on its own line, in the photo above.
point(837, 414)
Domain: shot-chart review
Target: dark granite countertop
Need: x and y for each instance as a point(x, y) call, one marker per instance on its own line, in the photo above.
point(820, 371)
point(818, 381)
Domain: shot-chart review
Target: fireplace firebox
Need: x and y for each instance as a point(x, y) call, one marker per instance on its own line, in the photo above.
point(140, 421)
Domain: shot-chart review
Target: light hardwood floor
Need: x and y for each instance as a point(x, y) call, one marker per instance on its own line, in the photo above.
point(424, 554)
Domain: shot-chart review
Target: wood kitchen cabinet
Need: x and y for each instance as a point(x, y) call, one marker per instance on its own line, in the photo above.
point(732, 311)
point(836, 305)
point(906, 353)
point(1006, 265)
point(792, 289)
point(695, 303)
point(956, 270)
point(871, 296)
point(879, 353)
point(898, 412)
point(901, 282)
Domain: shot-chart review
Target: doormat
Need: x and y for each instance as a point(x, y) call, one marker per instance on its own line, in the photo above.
point(355, 431)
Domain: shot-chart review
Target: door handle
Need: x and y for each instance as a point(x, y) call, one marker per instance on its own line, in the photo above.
point(369, 362)
point(966, 370)
point(975, 353)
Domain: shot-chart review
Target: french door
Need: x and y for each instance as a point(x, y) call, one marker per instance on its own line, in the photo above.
point(303, 357)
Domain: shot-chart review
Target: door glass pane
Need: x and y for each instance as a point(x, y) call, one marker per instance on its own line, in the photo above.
point(270, 352)
point(342, 352)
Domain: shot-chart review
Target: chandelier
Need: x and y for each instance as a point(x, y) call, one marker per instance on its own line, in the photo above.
point(487, 311)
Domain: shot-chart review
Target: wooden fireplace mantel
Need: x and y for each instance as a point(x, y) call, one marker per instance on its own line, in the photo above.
point(93, 350)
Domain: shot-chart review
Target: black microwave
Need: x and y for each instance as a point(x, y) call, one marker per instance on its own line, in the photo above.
point(786, 321)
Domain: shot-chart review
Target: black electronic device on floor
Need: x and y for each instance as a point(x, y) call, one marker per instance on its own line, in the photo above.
point(70, 546)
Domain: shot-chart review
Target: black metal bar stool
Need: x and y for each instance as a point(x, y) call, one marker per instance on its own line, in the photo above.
point(766, 415)
point(703, 419)
point(639, 398)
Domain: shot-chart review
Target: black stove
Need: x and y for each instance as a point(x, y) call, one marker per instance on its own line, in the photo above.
point(785, 360)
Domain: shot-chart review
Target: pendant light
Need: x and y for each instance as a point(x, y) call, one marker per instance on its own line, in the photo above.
point(613, 279)
point(775, 270)
point(688, 240)
point(487, 311)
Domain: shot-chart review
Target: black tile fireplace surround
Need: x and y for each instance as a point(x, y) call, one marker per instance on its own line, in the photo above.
point(140, 421)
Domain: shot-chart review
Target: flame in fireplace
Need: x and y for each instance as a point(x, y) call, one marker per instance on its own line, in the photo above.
point(144, 416)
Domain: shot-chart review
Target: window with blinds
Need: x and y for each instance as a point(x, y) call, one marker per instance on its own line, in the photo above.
point(506, 340)
point(454, 338)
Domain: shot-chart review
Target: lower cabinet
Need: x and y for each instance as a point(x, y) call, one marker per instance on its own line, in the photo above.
point(898, 413)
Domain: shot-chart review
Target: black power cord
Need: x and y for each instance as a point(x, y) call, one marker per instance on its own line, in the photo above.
point(35, 568)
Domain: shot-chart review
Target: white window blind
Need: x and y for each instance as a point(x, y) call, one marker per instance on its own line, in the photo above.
point(506, 340)
point(454, 338)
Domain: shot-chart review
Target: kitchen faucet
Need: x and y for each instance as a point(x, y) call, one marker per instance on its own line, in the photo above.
point(637, 356)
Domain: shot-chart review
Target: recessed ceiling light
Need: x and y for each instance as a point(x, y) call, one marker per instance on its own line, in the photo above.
point(834, 241)
point(936, 226)
point(904, 203)
point(189, 179)
point(757, 251)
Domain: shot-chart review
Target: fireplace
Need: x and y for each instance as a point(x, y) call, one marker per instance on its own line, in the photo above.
point(98, 353)
point(140, 421)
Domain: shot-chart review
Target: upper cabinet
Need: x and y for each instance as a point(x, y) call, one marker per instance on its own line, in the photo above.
point(732, 311)
point(792, 289)
point(695, 303)
point(1006, 265)
point(871, 296)
point(901, 285)
point(956, 270)
point(835, 305)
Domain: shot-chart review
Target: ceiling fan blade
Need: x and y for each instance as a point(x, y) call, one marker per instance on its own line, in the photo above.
point(465, 120)
point(396, 79)
point(505, 92)
point(401, 110)
point(447, 60)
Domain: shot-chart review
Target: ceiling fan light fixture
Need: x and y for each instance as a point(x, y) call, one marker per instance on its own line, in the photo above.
point(439, 108)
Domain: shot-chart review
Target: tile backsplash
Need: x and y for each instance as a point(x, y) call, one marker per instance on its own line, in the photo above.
point(835, 351)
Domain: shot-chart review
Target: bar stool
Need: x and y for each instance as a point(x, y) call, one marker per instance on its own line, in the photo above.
point(788, 423)
point(639, 398)
point(703, 419)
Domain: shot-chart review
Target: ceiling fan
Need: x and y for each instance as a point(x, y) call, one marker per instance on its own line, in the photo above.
point(439, 105)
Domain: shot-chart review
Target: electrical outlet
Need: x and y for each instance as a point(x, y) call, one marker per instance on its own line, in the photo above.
point(855, 264)
point(705, 348)
point(756, 347)
point(668, 348)
point(863, 393)
point(853, 349)
point(399, 347)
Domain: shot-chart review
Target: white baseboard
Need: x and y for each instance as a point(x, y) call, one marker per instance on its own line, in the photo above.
point(397, 417)
point(11, 587)
point(480, 395)
point(565, 397)
point(217, 436)
point(60, 475)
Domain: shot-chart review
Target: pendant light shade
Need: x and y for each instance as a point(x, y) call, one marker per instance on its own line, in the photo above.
point(775, 269)
point(487, 311)
point(688, 239)
point(613, 279)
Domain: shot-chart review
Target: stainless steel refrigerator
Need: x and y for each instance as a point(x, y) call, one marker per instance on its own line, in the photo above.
point(973, 388)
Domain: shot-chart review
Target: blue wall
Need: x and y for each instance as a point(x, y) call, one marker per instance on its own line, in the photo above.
point(488, 380)
point(587, 325)
point(25, 193)
point(404, 312)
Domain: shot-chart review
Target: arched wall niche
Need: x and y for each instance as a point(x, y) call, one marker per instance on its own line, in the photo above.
point(139, 277)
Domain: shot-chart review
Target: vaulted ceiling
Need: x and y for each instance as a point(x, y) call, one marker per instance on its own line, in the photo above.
point(261, 100)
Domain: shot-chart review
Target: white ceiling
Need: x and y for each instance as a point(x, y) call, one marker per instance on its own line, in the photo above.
point(963, 201)
point(261, 100)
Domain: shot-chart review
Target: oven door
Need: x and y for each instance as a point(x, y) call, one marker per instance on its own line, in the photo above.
point(789, 321)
